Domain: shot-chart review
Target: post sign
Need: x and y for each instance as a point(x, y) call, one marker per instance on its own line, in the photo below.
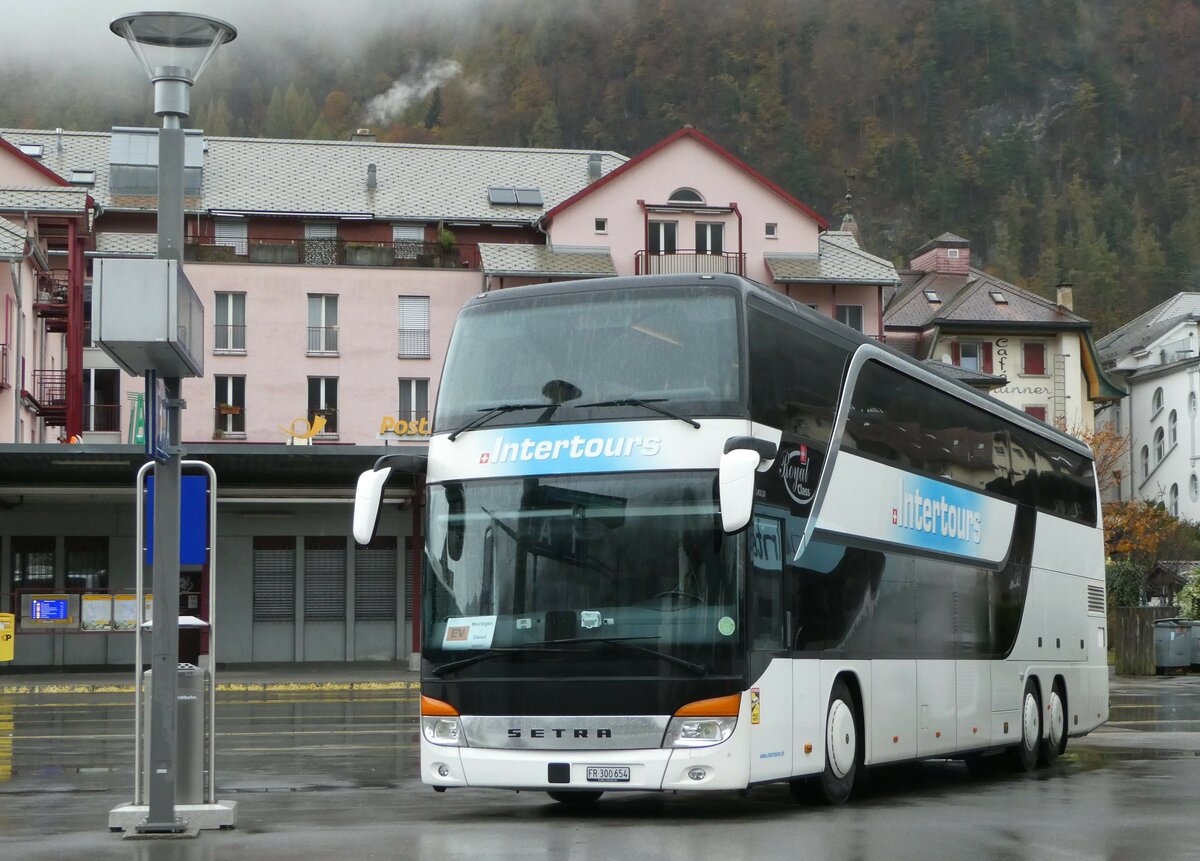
point(157, 430)
point(193, 520)
point(8, 628)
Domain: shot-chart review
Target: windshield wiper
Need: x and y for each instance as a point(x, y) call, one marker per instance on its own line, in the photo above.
point(625, 642)
point(650, 404)
point(490, 413)
point(484, 655)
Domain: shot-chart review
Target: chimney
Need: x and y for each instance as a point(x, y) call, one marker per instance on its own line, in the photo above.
point(1064, 295)
point(372, 180)
point(594, 167)
point(58, 147)
point(363, 136)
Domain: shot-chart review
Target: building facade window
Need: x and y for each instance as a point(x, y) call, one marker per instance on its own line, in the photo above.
point(414, 400)
point(850, 315)
point(1034, 355)
point(322, 324)
point(1038, 411)
point(322, 402)
point(413, 327)
point(101, 400)
point(1159, 447)
point(1174, 500)
point(33, 559)
point(602, 225)
point(663, 237)
point(972, 355)
point(1156, 402)
point(685, 195)
point(710, 237)
point(1145, 462)
point(408, 240)
point(230, 406)
point(772, 230)
point(1172, 428)
point(320, 243)
point(1194, 487)
point(230, 334)
point(87, 563)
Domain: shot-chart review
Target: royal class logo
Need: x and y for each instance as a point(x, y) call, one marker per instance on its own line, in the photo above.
point(936, 516)
point(575, 448)
point(794, 471)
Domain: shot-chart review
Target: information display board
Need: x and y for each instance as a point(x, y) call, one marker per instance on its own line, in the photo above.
point(49, 611)
point(124, 612)
point(96, 613)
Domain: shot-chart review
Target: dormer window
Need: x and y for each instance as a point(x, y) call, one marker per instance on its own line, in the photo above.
point(952, 253)
point(998, 297)
point(32, 150)
point(932, 296)
point(686, 195)
point(83, 177)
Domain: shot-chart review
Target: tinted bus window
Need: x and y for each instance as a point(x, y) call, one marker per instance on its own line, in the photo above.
point(795, 376)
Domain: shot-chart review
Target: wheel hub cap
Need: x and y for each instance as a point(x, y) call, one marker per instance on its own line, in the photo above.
point(841, 739)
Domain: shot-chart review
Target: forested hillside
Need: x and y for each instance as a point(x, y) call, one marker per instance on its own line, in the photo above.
point(1059, 137)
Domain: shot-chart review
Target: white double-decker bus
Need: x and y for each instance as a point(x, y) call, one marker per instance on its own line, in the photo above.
point(684, 533)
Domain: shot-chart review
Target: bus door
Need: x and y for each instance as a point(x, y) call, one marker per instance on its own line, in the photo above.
point(770, 668)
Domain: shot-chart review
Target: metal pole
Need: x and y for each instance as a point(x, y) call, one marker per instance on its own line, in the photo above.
point(140, 597)
point(164, 635)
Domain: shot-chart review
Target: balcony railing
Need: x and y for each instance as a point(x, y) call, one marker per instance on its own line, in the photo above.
point(49, 396)
point(322, 339)
point(687, 262)
point(50, 303)
point(102, 418)
point(229, 337)
point(330, 416)
point(335, 252)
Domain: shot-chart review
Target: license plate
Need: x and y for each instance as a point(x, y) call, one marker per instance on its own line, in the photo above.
point(608, 774)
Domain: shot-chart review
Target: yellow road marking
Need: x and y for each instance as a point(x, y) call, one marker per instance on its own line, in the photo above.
point(232, 687)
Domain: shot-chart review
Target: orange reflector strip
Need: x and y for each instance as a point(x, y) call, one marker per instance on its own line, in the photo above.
point(437, 708)
point(895, 739)
point(716, 707)
point(937, 734)
point(808, 748)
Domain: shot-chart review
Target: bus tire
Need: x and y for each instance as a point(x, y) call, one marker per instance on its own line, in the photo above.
point(843, 746)
point(1055, 740)
point(1025, 754)
point(583, 798)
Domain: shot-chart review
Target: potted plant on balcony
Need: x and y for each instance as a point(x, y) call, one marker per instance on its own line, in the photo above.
point(447, 240)
point(229, 410)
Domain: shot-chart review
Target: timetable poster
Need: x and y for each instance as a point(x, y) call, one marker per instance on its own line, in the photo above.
point(96, 613)
point(124, 612)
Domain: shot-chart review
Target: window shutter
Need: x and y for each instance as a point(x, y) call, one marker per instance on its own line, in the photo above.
point(1035, 358)
point(274, 573)
point(955, 354)
point(408, 240)
point(232, 232)
point(375, 581)
point(408, 579)
point(413, 330)
point(325, 579)
point(987, 357)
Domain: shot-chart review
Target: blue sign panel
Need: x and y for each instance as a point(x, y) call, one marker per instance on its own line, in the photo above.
point(157, 431)
point(193, 520)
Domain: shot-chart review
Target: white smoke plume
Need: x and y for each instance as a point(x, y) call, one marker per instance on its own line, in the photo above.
point(413, 86)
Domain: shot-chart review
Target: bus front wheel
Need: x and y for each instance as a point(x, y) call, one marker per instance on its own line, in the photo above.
point(843, 750)
point(1025, 754)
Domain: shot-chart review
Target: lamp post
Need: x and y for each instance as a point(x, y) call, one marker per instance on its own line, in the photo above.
point(173, 48)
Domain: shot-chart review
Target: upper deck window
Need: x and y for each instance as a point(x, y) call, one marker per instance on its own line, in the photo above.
point(676, 347)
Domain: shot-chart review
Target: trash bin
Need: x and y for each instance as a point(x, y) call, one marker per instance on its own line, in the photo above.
point(1173, 643)
point(191, 714)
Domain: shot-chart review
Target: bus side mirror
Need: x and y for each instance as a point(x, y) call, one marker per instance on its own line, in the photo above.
point(735, 480)
point(368, 496)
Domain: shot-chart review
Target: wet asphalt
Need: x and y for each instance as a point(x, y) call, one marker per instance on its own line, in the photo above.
point(323, 773)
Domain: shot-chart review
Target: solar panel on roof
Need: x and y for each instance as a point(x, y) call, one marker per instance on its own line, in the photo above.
point(529, 196)
point(502, 195)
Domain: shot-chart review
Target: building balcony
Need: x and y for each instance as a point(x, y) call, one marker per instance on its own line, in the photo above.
point(334, 252)
point(5, 378)
point(689, 262)
point(48, 399)
point(50, 303)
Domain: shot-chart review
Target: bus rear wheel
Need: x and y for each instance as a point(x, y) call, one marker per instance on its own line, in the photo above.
point(843, 750)
point(1025, 754)
point(583, 798)
point(1055, 741)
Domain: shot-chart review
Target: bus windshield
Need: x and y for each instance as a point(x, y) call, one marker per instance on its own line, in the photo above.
point(584, 356)
point(627, 575)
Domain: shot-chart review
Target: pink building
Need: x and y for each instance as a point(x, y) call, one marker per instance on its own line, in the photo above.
point(331, 273)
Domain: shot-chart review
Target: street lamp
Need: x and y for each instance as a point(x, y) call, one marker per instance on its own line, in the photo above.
point(173, 48)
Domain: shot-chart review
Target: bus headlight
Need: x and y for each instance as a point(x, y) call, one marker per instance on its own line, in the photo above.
point(445, 731)
point(699, 732)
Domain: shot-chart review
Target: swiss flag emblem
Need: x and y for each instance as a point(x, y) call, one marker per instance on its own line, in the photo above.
point(803, 454)
point(895, 517)
point(485, 457)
